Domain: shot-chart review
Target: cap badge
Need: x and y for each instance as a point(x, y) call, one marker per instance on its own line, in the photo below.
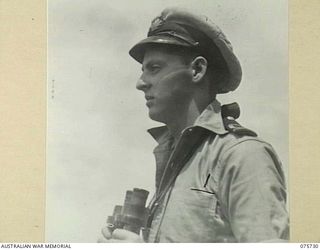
point(156, 23)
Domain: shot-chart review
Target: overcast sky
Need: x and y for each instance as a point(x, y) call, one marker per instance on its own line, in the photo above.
point(97, 142)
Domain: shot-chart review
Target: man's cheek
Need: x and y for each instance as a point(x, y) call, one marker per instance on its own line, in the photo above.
point(181, 75)
point(180, 94)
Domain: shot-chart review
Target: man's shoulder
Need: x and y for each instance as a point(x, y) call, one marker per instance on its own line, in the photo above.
point(246, 154)
point(246, 151)
point(232, 141)
point(240, 139)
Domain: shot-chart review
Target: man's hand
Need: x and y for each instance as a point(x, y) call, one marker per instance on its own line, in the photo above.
point(119, 236)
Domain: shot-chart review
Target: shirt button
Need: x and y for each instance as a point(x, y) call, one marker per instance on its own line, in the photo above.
point(190, 129)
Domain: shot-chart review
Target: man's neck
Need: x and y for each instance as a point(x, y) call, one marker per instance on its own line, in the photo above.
point(184, 120)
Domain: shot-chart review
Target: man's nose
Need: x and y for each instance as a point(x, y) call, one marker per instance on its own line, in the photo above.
point(142, 85)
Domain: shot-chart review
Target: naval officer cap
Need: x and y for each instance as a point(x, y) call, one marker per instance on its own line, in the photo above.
point(179, 27)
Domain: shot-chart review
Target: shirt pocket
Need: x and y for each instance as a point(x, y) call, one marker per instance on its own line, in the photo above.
point(190, 216)
point(194, 197)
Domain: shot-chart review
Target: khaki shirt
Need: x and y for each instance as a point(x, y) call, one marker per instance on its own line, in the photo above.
point(231, 189)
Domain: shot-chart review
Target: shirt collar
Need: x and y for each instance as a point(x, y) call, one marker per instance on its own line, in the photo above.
point(210, 119)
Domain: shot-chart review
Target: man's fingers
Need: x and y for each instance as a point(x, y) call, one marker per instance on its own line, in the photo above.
point(125, 235)
point(118, 236)
point(117, 241)
point(102, 240)
point(121, 234)
point(106, 232)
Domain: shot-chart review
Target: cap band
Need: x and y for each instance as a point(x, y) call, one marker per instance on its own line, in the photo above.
point(172, 29)
point(175, 35)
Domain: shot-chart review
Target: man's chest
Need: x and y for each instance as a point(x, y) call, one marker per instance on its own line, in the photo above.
point(190, 211)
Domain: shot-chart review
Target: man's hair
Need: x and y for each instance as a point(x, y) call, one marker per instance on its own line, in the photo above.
point(217, 70)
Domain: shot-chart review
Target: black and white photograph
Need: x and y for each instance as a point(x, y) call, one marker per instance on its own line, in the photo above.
point(167, 121)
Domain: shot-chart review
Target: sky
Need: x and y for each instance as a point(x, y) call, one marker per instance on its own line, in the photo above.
point(97, 144)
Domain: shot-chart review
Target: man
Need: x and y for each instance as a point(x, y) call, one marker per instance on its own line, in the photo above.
point(216, 181)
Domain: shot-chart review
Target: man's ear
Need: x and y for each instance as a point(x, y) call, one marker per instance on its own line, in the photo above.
point(199, 67)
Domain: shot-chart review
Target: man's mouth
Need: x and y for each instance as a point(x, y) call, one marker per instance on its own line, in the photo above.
point(149, 100)
point(148, 97)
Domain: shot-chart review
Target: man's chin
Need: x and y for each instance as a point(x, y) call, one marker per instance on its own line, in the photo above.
point(156, 116)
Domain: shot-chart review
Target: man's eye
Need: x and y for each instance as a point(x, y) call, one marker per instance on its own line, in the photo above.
point(154, 68)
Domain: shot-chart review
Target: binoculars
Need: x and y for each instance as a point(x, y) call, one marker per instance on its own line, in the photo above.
point(132, 216)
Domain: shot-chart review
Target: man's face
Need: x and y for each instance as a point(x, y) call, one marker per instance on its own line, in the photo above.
point(166, 82)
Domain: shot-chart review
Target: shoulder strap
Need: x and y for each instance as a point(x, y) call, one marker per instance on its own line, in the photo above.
point(229, 113)
point(234, 127)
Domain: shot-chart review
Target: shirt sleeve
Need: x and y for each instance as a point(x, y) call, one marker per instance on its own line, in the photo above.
point(253, 192)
